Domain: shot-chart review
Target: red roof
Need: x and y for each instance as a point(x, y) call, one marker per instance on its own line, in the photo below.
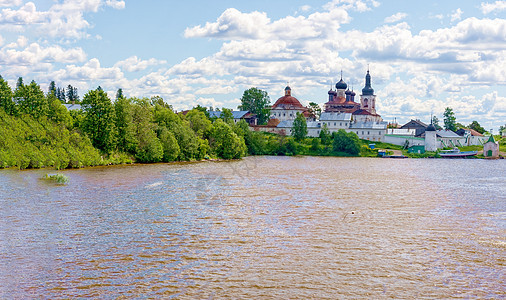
point(288, 101)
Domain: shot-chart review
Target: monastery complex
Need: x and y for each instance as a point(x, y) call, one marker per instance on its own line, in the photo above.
point(343, 111)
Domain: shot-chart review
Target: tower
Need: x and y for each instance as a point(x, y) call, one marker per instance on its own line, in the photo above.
point(430, 138)
point(368, 99)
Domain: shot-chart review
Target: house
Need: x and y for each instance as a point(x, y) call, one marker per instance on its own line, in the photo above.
point(417, 125)
point(472, 136)
point(491, 148)
point(238, 115)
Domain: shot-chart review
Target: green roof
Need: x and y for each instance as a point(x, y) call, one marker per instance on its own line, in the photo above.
point(491, 139)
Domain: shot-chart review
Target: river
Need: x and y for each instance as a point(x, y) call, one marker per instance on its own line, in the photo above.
point(257, 228)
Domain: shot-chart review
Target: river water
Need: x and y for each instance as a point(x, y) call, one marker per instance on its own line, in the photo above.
point(261, 228)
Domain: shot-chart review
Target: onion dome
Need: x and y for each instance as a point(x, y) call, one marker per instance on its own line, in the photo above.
point(367, 90)
point(348, 92)
point(430, 128)
point(341, 85)
point(353, 93)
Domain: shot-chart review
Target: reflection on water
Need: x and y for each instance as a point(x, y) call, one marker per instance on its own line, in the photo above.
point(262, 227)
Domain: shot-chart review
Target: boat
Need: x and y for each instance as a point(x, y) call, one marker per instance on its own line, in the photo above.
point(456, 153)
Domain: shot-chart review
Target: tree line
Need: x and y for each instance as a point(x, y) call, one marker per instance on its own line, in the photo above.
point(36, 130)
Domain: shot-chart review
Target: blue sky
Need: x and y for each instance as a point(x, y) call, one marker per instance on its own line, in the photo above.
point(423, 55)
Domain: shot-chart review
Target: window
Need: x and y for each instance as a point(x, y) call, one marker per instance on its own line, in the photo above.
point(283, 114)
point(340, 124)
point(368, 133)
point(334, 123)
point(362, 133)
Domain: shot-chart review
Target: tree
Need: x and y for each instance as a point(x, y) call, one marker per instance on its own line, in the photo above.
point(198, 122)
point(125, 128)
point(325, 136)
point(227, 116)
point(52, 88)
point(170, 146)
point(31, 100)
point(6, 97)
point(224, 142)
point(315, 109)
point(19, 83)
point(346, 142)
point(72, 95)
point(435, 122)
point(449, 119)
point(60, 94)
point(256, 101)
point(98, 122)
point(119, 94)
point(299, 128)
point(476, 126)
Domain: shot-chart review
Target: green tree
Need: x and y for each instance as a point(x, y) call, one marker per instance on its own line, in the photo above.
point(256, 101)
point(52, 88)
point(119, 94)
point(224, 142)
point(435, 122)
point(325, 135)
point(170, 146)
point(299, 128)
point(198, 122)
point(6, 97)
point(315, 110)
point(72, 95)
point(57, 112)
point(346, 142)
point(32, 101)
point(149, 147)
point(19, 83)
point(476, 126)
point(227, 116)
point(449, 119)
point(98, 122)
point(125, 128)
point(60, 94)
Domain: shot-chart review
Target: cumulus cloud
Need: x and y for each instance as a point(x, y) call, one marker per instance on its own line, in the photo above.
point(233, 24)
point(497, 6)
point(396, 17)
point(90, 71)
point(456, 15)
point(65, 19)
point(35, 54)
point(135, 64)
point(357, 5)
point(4, 3)
point(116, 4)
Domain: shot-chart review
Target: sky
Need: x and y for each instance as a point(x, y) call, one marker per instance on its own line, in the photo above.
point(423, 56)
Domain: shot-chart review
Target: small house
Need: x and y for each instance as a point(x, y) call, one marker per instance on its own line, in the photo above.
point(491, 148)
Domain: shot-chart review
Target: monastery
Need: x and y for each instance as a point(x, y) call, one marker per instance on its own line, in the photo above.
point(340, 112)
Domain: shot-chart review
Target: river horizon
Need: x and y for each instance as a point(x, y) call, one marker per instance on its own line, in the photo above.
point(260, 227)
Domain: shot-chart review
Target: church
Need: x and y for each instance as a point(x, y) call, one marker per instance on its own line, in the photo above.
point(340, 112)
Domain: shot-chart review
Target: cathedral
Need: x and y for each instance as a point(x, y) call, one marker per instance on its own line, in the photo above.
point(339, 112)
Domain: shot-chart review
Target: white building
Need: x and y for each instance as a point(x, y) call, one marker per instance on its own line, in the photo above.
point(287, 107)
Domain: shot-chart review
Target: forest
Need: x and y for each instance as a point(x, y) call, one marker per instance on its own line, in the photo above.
point(37, 130)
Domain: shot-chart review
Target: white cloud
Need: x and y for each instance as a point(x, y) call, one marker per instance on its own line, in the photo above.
point(305, 8)
point(235, 25)
point(35, 54)
point(396, 17)
point(456, 15)
point(135, 64)
point(497, 6)
point(116, 4)
point(4, 3)
point(358, 5)
point(90, 71)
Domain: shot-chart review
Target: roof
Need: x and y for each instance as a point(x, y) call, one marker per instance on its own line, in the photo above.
point(335, 116)
point(369, 125)
point(491, 139)
point(237, 114)
point(73, 106)
point(473, 132)
point(288, 102)
point(286, 124)
point(414, 123)
point(447, 134)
